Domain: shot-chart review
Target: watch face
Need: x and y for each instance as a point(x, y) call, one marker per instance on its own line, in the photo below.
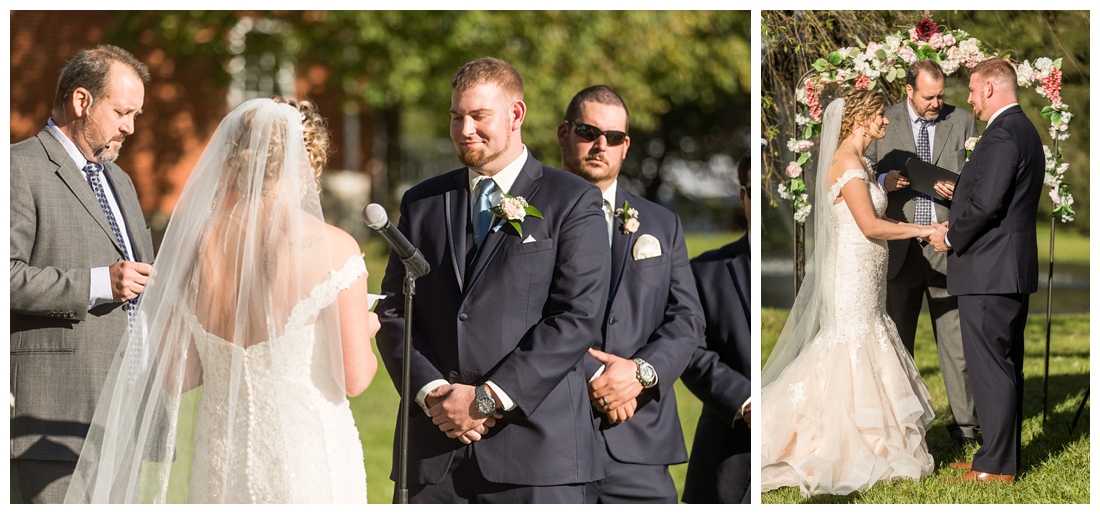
point(485, 403)
point(647, 373)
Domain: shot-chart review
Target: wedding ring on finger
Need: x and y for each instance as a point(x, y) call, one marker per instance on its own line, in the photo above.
point(603, 400)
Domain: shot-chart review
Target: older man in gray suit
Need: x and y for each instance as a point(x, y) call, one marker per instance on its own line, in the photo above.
point(79, 257)
point(925, 128)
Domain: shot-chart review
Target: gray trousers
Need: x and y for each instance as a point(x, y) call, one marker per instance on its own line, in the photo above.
point(905, 293)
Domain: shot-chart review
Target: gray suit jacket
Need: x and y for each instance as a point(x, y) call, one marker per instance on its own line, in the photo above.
point(60, 350)
point(953, 127)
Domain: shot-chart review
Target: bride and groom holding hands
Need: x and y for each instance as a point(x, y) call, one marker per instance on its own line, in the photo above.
point(261, 303)
point(843, 404)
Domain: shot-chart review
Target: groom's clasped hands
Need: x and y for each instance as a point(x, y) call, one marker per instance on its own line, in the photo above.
point(454, 410)
point(937, 237)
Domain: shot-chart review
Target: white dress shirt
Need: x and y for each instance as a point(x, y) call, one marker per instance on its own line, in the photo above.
point(504, 180)
point(100, 291)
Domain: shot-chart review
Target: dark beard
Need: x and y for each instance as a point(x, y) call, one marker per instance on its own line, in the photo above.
point(575, 165)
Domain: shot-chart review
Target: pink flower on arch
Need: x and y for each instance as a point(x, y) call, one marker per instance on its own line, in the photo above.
point(862, 82)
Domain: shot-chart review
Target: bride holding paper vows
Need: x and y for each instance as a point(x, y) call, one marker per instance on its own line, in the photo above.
point(843, 405)
point(233, 385)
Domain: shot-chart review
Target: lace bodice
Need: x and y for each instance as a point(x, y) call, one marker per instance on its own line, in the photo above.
point(861, 263)
point(291, 438)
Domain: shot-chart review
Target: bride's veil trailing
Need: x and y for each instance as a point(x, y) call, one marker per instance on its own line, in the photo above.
point(244, 250)
point(813, 306)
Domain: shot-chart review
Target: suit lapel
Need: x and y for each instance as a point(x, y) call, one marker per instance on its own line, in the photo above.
point(71, 176)
point(524, 186)
point(943, 132)
point(908, 143)
point(131, 212)
point(457, 206)
point(620, 243)
point(739, 271)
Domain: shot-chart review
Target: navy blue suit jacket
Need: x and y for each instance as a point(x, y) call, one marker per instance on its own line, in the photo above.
point(520, 314)
point(719, 374)
point(653, 313)
point(992, 223)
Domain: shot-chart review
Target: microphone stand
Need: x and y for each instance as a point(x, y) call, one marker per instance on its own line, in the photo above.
point(415, 267)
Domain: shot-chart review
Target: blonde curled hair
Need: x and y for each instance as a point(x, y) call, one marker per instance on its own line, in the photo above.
point(314, 131)
point(859, 106)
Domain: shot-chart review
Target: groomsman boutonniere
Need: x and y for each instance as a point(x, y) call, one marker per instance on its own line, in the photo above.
point(970, 144)
point(514, 209)
point(629, 216)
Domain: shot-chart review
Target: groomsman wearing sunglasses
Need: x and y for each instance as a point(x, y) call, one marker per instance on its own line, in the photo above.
point(653, 321)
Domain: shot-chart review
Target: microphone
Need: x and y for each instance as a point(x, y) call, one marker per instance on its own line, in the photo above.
point(375, 217)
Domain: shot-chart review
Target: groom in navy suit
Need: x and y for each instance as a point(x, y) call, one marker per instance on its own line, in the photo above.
point(994, 265)
point(505, 315)
point(653, 321)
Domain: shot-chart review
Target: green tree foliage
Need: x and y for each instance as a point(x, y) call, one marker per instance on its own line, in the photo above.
point(390, 61)
point(793, 40)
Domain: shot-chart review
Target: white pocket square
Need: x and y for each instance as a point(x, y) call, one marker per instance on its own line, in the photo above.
point(646, 247)
point(529, 239)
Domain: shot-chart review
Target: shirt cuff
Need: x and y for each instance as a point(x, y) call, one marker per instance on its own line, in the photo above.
point(506, 402)
point(424, 393)
point(100, 292)
point(597, 373)
point(741, 412)
point(946, 241)
point(882, 180)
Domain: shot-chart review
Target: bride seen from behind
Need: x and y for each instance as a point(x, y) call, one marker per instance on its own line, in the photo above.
point(843, 405)
point(264, 306)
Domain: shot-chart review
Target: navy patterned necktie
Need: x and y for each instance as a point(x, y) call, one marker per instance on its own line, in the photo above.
point(483, 210)
point(93, 171)
point(923, 210)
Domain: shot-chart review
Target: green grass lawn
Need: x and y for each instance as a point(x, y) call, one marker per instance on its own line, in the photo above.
point(375, 410)
point(1054, 463)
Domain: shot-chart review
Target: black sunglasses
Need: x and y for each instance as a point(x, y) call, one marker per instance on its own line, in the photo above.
point(590, 133)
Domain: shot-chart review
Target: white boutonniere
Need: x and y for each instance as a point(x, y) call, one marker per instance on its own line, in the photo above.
point(514, 209)
point(629, 216)
point(970, 145)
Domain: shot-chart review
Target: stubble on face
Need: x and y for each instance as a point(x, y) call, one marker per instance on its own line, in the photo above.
point(102, 150)
point(589, 160)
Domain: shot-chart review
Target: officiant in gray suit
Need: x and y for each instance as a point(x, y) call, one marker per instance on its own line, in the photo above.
point(79, 258)
point(924, 127)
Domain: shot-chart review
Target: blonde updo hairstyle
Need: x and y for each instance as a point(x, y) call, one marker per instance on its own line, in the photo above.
point(315, 132)
point(859, 106)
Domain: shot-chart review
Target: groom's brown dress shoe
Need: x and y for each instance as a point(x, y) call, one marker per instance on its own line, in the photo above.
point(978, 476)
point(960, 465)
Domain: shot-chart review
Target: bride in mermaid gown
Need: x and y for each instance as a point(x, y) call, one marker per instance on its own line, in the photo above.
point(843, 406)
point(232, 385)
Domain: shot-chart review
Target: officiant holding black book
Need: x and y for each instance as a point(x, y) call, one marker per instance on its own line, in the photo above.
point(924, 127)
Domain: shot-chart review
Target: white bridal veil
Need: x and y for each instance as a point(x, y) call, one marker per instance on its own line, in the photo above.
point(245, 247)
point(813, 306)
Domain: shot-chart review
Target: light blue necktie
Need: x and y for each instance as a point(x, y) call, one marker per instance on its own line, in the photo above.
point(483, 210)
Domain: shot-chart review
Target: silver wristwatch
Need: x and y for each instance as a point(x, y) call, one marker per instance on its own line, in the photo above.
point(646, 374)
point(486, 405)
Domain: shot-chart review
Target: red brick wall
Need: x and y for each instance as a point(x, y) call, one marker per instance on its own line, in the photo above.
point(183, 105)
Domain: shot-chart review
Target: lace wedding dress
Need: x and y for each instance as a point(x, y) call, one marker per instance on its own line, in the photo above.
point(295, 441)
point(850, 410)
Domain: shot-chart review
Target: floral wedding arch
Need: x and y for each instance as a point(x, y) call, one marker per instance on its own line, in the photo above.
point(888, 60)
